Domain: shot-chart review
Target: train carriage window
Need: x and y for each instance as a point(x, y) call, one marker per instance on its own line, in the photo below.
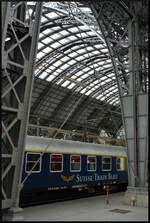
point(75, 162)
point(31, 162)
point(106, 163)
point(56, 163)
point(120, 163)
point(91, 163)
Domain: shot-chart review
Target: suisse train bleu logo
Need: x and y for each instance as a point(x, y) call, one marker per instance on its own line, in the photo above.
point(67, 179)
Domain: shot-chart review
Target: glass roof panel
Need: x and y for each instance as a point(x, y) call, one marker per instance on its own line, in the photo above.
point(71, 86)
point(50, 78)
point(63, 41)
point(64, 66)
point(47, 50)
point(74, 29)
point(43, 19)
point(57, 63)
point(65, 83)
point(72, 37)
point(47, 40)
point(71, 62)
point(43, 75)
point(55, 36)
point(40, 55)
point(76, 57)
point(64, 32)
point(40, 45)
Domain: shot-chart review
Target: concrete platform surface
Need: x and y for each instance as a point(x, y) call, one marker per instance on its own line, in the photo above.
point(87, 209)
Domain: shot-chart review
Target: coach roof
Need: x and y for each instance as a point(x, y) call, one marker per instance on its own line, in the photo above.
point(42, 144)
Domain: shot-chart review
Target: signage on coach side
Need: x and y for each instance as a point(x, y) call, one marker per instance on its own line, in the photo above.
point(95, 177)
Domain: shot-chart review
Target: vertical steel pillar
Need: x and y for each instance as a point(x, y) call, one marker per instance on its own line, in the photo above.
point(120, 24)
point(19, 46)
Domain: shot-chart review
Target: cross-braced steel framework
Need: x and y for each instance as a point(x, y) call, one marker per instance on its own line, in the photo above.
point(124, 25)
point(19, 43)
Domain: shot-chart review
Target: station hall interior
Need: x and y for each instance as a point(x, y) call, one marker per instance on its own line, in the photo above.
point(75, 73)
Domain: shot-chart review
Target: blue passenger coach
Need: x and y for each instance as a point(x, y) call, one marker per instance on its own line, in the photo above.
point(51, 164)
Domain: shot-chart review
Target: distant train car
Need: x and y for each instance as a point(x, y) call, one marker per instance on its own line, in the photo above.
point(70, 164)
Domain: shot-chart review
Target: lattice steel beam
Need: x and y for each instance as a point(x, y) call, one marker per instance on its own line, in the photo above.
point(19, 44)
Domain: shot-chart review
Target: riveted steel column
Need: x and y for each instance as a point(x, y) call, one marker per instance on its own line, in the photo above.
point(20, 46)
point(132, 81)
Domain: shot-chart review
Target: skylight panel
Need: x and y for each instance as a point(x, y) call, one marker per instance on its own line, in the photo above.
point(64, 66)
point(103, 78)
point(95, 52)
point(59, 70)
point(59, 81)
point(72, 37)
point(99, 46)
point(107, 65)
point(65, 83)
point(89, 92)
point(47, 50)
point(71, 62)
point(74, 29)
point(96, 82)
point(52, 15)
point(86, 69)
point(91, 72)
point(104, 50)
point(73, 54)
point(102, 98)
point(50, 78)
point(86, 9)
point(101, 62)
point(89, 48)
point(110, 75)
point(55, 36)
point(107, 80)
point(82, 35)
point(81, 50)
point(64, 40)
point(80, 58)
point(98, 96)
point(55, 45)
point(40, 45)
point(65, 58)
point(47, 31)
point(41, 35)
point(90, 33)
point(79, 79)
point(79, 73)
point(40, 55)
point(55, 28)
point(64, 32)
point(85, 76)
point(115, 90)
point(43, 75)
point(110, 89)
point(43, 19)
point(46, 40)
point(83, 91)
point(71, 86)
point(56, 64)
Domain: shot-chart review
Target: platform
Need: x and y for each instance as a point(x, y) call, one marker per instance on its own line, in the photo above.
point(87, 209)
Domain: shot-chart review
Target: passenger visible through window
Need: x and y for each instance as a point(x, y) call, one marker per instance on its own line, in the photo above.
point(91, 163)
point(31, 159)
point(56, 164)
point(75, 163)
